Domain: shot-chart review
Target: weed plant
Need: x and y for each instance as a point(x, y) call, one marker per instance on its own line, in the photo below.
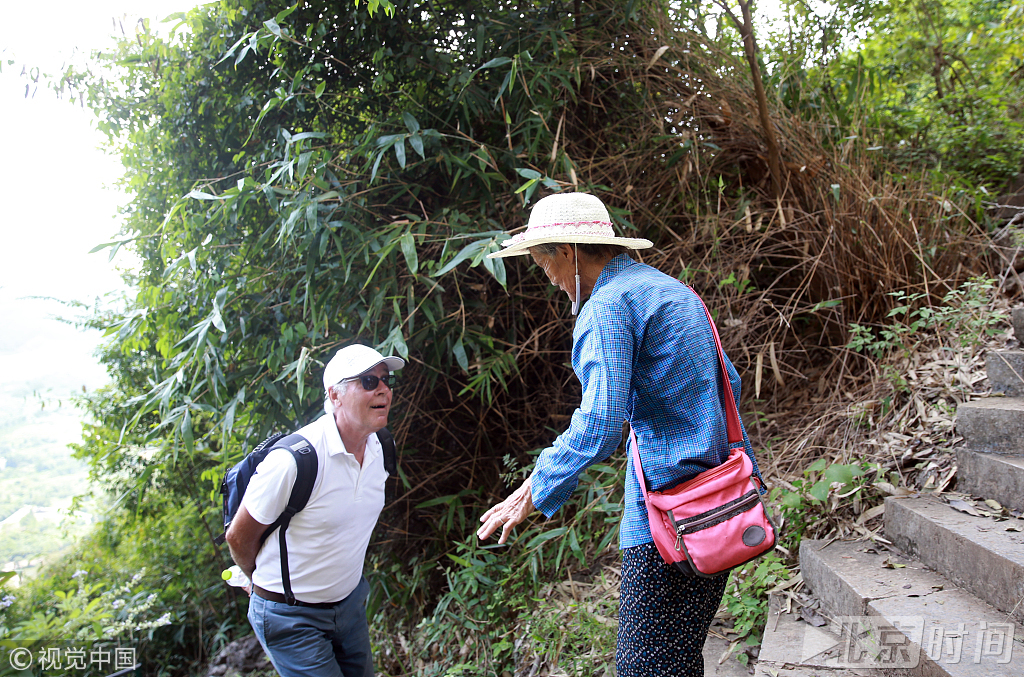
point(961, 322)
point(504, 606)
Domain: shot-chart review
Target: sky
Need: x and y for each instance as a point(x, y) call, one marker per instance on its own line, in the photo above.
point(61, 200)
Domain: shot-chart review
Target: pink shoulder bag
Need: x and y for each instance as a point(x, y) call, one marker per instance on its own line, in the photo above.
point(715, 521)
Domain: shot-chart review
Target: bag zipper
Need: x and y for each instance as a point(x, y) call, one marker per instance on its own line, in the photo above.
point(713, 473)
point(735, 509)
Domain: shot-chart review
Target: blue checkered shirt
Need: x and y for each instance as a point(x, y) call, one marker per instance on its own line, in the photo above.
point(644, 352)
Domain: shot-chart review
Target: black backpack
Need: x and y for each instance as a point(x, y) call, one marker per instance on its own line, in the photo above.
point(236, 481)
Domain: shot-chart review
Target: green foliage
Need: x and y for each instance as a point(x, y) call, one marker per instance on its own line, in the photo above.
point(498, 605)
point(746, 598)
point(302, 179)
point(808, 508)
point(135, 580)
point(934, 85)
point(962, 321)
point(98, 614)
point(950, 84)
point(825, 487)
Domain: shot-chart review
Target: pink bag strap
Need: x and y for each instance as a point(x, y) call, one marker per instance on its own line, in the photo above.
point(732, 416)
point(638, 467)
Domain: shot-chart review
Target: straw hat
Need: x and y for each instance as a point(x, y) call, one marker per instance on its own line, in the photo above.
point(568, 217)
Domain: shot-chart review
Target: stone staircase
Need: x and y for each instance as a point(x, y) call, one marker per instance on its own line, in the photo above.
point(947, 598)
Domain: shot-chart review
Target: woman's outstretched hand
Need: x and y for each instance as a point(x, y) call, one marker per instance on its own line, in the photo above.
point(507, 514)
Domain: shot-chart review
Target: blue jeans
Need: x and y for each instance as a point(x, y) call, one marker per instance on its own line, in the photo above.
point(305, 642)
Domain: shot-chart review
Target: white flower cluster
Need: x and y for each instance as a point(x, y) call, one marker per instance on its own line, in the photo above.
point(130, 626)
point(6, 601)
point(131, 614)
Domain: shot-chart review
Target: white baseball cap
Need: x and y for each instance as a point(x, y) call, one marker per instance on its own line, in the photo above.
point(354, 360)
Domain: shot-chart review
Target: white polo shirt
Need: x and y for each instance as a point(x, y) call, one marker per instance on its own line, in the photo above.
point(327, 539)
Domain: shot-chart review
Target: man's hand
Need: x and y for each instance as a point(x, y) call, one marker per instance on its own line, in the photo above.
point(507, 514)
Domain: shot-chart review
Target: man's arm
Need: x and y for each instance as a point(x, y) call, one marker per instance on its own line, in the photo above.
point(243, 539)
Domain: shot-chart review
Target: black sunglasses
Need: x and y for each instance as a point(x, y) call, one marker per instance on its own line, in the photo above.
point(370, 381)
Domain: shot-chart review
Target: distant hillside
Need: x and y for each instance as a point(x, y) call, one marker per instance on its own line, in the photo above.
point(38, 477)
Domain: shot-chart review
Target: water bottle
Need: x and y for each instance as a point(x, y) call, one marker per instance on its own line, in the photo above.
point(235, 577)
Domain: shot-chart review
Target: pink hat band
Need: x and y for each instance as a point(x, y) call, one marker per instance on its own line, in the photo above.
point(567, 218)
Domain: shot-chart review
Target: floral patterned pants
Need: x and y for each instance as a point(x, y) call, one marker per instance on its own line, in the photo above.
point(664, 616)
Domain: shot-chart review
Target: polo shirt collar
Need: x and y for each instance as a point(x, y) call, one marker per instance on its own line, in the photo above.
point(333, 438)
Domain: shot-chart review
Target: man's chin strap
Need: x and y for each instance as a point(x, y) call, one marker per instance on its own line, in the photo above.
point(576, 301)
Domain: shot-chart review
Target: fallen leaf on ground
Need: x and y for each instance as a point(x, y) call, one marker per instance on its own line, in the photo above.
point(812, 617)
point(957, 504)
point(869, 515)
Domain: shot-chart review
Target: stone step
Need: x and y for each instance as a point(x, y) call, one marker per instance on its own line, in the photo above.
point(975, 553)
point(714, 648)
point(994, 476)
point(1005, 370)
point(773, 670)
point(993, 425)
point(943, 631)
point(793, 648)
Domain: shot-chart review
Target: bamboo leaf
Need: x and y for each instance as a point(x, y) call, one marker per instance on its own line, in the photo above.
point(496, 62)
point(460, 355)
point(416, 141)
point(409, 251)
point(469, 251)
point(410, 122)
point(186, 432)
point(273, 27)
point(400, 152)
point(540, 539)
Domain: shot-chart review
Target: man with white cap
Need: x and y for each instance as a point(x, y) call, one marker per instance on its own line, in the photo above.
point(324, 633)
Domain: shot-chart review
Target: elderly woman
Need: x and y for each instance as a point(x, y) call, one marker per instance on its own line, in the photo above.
point(644, 352)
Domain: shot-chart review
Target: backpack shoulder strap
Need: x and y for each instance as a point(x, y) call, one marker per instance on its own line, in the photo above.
point(236, 481)
point(269, 443)
point(387, 443)
point(306, 462)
